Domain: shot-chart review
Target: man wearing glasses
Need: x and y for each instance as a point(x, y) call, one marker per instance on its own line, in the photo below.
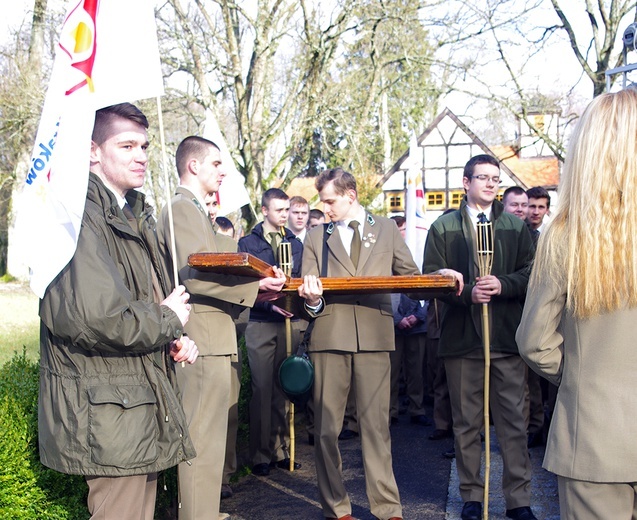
point(451, 244)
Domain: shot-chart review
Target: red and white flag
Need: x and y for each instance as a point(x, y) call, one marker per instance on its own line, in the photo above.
point(232, 193)
point(107, 54)
point(415, 208)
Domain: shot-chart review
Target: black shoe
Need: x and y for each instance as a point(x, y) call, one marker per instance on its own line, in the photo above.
point(261, 470)
point(346, 435)
point(226, 491)
point(438, 435)
point(471, 511)
point(421, 420)
point(310, 439)
point(449, 454)
point(284, 464)
point(520, 513)
point(534, 440)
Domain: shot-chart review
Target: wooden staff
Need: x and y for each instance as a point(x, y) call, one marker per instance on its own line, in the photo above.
point(484, 252)
point(168, 194)
point(285, 262)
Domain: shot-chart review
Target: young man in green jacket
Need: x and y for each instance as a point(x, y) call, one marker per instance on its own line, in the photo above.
point(108, 409)
point(451, 243)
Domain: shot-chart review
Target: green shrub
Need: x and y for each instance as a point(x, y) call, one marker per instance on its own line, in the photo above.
point(28, 490)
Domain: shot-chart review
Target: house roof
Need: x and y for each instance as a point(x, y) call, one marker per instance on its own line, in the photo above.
point(526, 172)
point(532, 171)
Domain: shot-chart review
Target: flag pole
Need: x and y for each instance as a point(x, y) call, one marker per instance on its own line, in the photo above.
point(168, 194)
point(285, 262)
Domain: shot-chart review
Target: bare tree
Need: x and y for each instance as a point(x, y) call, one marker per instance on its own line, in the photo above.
point(22, 68)
point(599, 50)
point(491, 51)
point(262, 72)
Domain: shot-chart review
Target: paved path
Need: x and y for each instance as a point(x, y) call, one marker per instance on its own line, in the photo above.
point(427, 482)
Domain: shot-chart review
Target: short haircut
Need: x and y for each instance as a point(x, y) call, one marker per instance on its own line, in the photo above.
point(537, 192)
point(343, 180)
point(192, 147)
point(224, 224)
point(316, 213)
point(104, 117)
point(272, 193)
point(297, 200)
point(400, 220)
point(514, 190)
point(484, 158)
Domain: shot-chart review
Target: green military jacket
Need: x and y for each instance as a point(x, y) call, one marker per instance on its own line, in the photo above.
point(107, 405)
point(450, 244)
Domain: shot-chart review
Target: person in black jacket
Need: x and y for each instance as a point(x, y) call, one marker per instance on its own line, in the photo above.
point(265, 339)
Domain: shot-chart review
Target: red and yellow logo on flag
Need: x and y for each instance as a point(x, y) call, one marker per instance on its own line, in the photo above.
point(79, 41)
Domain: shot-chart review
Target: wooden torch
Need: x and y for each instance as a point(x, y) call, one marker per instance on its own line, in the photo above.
point(484, 250)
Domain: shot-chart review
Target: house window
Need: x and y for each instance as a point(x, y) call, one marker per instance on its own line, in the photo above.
point(456, 199)
point(396, 201)
point(435, 200)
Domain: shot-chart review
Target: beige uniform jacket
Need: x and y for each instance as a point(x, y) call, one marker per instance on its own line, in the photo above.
point(217, 299)
point(594, 362)
point(357, 321)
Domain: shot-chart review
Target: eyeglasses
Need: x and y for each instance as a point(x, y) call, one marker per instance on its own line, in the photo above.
point(484, 178)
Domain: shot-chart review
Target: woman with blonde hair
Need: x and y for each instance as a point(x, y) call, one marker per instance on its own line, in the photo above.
point(579, 322)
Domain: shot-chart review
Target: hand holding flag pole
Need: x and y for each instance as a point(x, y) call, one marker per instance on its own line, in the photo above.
point(484, 253)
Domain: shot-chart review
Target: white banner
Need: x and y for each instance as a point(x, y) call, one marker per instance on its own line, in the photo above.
point(232, 192)
point(107, 54)
point(415, 208)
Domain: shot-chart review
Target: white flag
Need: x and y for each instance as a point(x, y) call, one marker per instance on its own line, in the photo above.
point(232, 192)
point(416, 230)
point(107, 54)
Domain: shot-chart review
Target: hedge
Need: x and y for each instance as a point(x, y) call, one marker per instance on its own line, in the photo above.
point(28, 490)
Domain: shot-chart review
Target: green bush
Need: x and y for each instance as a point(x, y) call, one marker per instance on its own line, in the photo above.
point(28, 490)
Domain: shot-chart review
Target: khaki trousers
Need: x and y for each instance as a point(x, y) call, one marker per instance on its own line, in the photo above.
point(117, 498)
point(465, 378)
point(582, 500)
point(333, 377)
point(230, 464)
point(205, 390)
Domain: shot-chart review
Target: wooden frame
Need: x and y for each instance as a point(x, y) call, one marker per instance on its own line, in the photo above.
point(244, 264)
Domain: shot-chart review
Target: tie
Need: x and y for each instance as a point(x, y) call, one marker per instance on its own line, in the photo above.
point(355, 249)
point(275, 238)
point(130, 216)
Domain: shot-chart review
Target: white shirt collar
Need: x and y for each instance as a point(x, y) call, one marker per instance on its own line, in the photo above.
point(121, 201)
point(359, 217)
point(301, 235)
point(473, 213)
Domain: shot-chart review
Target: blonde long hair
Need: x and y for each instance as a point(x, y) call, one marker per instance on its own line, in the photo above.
point(592, 238)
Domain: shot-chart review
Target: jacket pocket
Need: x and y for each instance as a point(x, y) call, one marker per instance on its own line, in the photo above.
point(122, 426)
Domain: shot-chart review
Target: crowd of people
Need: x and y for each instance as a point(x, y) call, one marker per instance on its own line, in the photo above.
point(140, 369)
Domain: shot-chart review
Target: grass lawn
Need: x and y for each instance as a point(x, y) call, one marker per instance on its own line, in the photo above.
point(19, 325)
